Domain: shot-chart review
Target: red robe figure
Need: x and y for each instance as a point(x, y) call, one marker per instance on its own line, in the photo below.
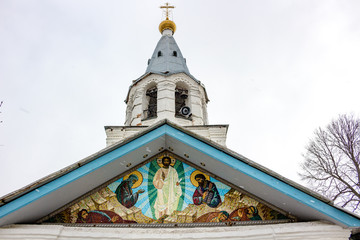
point(222, 216)
point(100, 216)
point(239, 214)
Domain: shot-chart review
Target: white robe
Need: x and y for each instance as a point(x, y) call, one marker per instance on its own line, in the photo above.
point(168, 193)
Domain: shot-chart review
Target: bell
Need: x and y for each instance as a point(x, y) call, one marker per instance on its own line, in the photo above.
point(183, 95)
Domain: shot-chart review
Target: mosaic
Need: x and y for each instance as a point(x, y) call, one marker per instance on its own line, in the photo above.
point(166, 190)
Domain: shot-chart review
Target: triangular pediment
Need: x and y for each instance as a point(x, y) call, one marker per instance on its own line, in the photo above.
point(174, 192)
point(67, 188)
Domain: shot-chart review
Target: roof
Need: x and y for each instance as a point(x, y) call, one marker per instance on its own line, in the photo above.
point(54, 191)
point(167, 59)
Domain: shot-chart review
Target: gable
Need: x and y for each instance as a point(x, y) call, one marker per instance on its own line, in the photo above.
point(154, 193)
point(68, 184)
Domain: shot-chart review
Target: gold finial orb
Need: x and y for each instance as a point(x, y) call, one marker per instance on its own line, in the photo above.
point(167, 24)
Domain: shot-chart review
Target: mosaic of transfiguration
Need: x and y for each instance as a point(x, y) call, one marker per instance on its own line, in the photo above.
point(166, 190)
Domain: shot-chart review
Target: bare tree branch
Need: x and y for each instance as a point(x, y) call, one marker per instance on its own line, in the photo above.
point(332, 162)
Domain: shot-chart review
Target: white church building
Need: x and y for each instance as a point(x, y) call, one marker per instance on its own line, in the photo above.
point(167, 174)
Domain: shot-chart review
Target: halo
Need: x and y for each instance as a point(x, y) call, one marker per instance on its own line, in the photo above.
point(159, 160)
point(138, 182)
point(194, 173)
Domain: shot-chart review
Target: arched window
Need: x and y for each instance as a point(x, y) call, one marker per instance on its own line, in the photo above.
point(174, 53)
point(151, 96)
point(181, 96)
point(159, 53)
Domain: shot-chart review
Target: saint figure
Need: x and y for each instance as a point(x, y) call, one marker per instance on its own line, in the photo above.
point(166, 181)
point(245, 214)
point(100, 216)
point(206, 192)
point(239, 214)
point(124, 193)
point(253, 213)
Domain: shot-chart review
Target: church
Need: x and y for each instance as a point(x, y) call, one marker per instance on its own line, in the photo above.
point(167, 174)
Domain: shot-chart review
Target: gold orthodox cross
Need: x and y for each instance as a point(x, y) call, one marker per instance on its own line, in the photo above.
point(167, 10)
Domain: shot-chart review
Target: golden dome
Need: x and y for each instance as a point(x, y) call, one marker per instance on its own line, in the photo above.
point(167, 24)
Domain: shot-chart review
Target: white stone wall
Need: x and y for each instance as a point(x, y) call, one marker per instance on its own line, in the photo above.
point(166, 85)
point(287, 231)
point(115, 134)
point(215, 133)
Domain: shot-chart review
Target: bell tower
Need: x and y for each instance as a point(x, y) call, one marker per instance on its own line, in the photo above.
point(167, 90)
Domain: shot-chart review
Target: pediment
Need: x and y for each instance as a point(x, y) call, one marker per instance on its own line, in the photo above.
point(70, 187)
point(175, 193)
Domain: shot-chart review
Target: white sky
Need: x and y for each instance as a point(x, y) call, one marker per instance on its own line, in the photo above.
point(274, 70)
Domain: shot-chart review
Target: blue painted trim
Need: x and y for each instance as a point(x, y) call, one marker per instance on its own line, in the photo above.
point(264, 178)
point(80, 172)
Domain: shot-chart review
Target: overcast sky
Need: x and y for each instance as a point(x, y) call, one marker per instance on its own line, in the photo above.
point(274, 71)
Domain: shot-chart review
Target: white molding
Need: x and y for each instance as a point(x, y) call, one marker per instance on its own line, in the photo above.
point(304, 230)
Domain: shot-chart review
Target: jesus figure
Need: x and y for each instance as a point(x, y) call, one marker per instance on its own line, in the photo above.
point(166, 181)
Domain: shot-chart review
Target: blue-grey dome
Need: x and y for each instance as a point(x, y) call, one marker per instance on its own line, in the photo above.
point(167, 59)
